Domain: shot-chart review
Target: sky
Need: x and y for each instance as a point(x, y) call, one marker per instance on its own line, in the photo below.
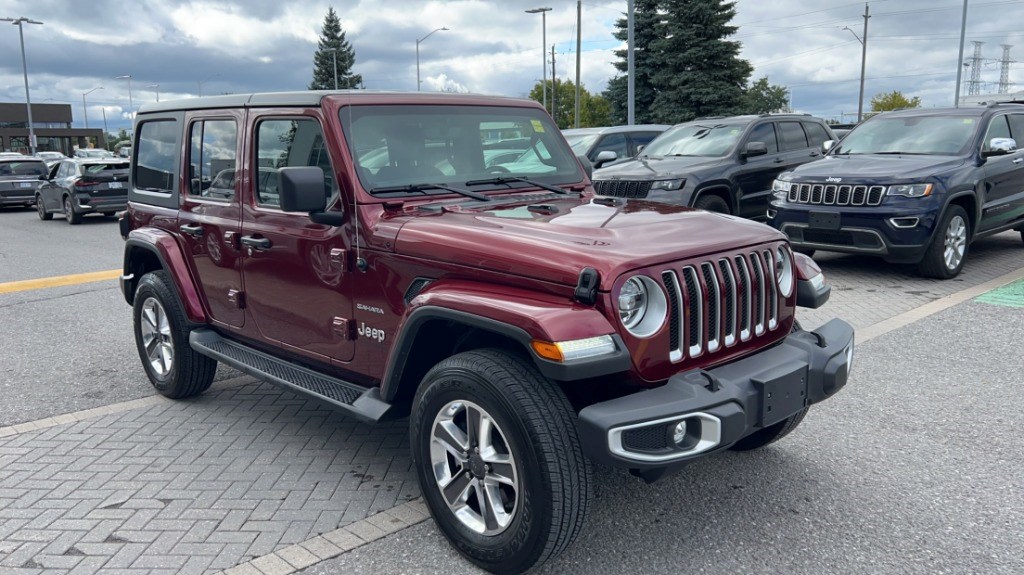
point(183, 48)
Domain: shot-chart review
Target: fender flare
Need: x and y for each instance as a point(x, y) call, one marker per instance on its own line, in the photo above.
point(978, 208)
point(508, 315)
point(166, 249)
point(713, 186)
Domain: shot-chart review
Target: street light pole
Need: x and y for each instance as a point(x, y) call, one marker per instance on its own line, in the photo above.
point(543, 50)
point(131, 102)
point(85, 110)
point(24, 68)
point(960, 60)
point(157, 90)
point(418, 41)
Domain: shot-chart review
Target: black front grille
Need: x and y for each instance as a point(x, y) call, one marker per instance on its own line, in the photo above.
point(622, 188)
point(650, 438)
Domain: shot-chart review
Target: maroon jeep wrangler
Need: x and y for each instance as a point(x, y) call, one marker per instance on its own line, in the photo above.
point(444, 257)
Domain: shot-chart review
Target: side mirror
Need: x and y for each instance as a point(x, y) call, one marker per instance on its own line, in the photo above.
point(1001, 147)
point(302, 189)
point(640, 148)
point(587, 166)
point(605, 156)
point(827, 145)
point(755, 149)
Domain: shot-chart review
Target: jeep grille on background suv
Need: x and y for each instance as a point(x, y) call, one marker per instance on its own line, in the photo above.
point(836, 195)
point(622, 188)
point(716, 303)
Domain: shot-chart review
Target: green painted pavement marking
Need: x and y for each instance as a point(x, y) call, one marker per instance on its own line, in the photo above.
point(1010, 295)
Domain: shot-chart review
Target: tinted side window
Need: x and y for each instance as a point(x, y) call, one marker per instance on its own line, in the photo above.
point(1017, 128)
point(285, 143)
point(998, 128)
point(816, 133)
point(765, 133)
point(212, 159)
point(793, 137)
point(614, 142)
point(156, 167)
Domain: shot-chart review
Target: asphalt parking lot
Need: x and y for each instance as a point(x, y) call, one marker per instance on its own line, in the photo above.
point(914, 468)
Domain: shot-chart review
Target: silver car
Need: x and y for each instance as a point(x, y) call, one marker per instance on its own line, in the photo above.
point(20, 177)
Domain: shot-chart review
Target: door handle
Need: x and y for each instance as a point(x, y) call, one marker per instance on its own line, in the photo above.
point(256, 243)
point(814, 154)
point(779, 160)
point(1018, 160)
point(196, 231)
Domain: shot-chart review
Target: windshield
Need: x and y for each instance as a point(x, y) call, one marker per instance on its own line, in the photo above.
point(580, 143)
point(33, 168)
point(400, 146)
point(933, 135)
point(696, 139)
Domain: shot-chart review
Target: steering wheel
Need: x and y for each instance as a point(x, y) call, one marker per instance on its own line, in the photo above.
point(497, 170)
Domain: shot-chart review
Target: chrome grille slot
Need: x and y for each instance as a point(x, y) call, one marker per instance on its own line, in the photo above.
point(695, 309)
point(805, 193)
point(745, 297)
point(773, 294)
point(714, 306)
point(816, 193)
point(675, 304)
point(759, 289)
point(830, 195)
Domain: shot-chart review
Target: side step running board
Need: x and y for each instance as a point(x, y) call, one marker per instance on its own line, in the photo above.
point(364, 403)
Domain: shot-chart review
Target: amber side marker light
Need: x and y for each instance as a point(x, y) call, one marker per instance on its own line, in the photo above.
point(562, 351)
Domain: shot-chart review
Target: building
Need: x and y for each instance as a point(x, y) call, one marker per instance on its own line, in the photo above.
point(52, 125)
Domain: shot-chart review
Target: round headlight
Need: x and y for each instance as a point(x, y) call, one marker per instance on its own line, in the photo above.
point(784, 271)
point(642, 306)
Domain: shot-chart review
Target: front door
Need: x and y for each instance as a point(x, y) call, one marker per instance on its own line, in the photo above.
point(297, 290)
point(755, 176)
point(1004, 179)
point(210, 216)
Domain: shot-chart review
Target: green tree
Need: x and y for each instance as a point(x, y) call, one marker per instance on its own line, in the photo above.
point(700, 71)
point(763, 98)
point(332, 47)
point(594, 110)
point(894, 100)
point(645, 61)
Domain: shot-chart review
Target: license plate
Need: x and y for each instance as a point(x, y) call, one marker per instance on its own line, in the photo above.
point(24, 184)
point(782, 395)
point(116, 185)
point(824, 220)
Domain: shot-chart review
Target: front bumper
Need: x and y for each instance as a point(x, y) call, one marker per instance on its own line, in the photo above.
point(719, 406)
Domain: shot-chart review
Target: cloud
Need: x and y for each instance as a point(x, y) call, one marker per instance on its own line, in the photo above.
point(442, 83)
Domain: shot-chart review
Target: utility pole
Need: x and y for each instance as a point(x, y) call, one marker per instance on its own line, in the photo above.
point(863, 63)
point(630, 68)
point(579, 35)
point(960, 59)
point(554, 88)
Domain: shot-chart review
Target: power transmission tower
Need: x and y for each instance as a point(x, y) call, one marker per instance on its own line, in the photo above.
point(974, 84)
point(1004, 71)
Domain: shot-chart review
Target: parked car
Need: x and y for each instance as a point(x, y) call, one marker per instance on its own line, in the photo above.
point(913, 186)
point(50, 157)
point(604, 146)
point(20, 176)
point(525, 327)
point(93, 153)
point(841, 130)
point(721, 165)
point(77, 187)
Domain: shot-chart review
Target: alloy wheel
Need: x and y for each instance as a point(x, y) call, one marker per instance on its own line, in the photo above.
point(156, 337)
point(474, 468)
point(955, 242)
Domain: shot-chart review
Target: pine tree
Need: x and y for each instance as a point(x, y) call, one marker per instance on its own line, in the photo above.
point(645, 62)
point(333, 37)
point(700, 72)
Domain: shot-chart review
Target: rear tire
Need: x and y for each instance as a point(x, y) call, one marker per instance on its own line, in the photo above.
point(947, 252)
point(530, 434)
point(770, 434)
point(41, 210)
point(161, 337)
point(73, 218)
point(712, 203)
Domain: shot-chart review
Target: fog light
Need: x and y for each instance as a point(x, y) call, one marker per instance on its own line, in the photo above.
point(679, 433)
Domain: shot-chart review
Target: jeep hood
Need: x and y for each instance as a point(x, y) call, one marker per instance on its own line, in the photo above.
point(882, 167)
point(553, 240)
point(656, 168)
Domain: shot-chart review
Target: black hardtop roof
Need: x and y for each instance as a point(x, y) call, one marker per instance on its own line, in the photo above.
point(305, 98)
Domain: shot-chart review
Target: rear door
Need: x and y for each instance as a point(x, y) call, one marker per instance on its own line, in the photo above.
point(51, 192)
point(1004, 178)
point(209, 219)
point(297, 291)
point(755, 175)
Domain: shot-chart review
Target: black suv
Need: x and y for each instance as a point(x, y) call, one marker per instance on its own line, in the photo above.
point(718, 164)
point(913, 186)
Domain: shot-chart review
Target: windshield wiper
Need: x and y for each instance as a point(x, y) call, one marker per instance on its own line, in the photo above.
point(422, 188)
point(509, 179)
point(901, 153)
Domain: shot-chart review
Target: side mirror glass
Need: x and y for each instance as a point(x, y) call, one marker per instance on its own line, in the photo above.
point(587, 166)
point(1001, 147)
point(827, 145)
point(755, 149)
point(302, 189)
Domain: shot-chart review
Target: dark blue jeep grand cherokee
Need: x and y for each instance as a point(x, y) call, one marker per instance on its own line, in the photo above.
point(913, 186)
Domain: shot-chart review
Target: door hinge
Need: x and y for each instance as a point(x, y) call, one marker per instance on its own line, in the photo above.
point(231, 240)
point(343, 327)
point(237, 297)
point(340, 258)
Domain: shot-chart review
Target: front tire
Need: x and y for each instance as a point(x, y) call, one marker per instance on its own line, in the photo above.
point(161, 337)
point(947, 252)
point(770, 434)
point(712, 203)
point(41, 210)
point(499, 461)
